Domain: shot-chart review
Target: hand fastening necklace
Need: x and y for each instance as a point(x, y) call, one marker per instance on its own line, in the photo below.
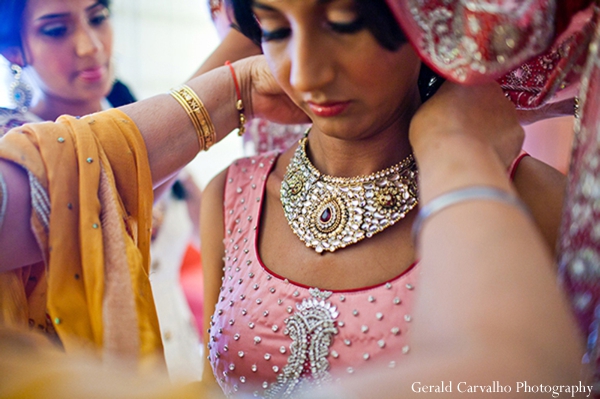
point(328, 213)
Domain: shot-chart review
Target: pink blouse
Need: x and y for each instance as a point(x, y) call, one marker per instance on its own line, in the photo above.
point(270, 336)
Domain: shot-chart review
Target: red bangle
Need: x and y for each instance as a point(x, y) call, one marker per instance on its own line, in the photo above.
point(239, 105)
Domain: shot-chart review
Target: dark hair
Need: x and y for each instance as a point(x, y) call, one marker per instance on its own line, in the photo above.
point(377, 16)
point(11, 20)
point(429, 82)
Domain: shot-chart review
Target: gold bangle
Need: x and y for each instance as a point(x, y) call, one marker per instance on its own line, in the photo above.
point(198, 115)
point(184, 97)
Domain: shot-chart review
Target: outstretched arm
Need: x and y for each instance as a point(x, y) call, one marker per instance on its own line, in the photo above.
point(170, 140)
point(168, 132)
point(498, 298)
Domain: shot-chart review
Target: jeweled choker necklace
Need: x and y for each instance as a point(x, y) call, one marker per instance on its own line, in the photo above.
point(329, 213)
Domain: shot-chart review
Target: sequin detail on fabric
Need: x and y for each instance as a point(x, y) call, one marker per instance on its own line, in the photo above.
point(311, 329)
point(534, 83)
point(469, 37)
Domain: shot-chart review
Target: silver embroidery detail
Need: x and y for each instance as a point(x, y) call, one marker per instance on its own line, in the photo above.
point(456, 47)
point(311, 329)
point(317, 293)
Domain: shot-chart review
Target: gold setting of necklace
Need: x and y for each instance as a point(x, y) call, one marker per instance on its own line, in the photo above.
point(329, 213)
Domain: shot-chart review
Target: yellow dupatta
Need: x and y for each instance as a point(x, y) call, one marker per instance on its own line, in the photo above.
point(91, 214)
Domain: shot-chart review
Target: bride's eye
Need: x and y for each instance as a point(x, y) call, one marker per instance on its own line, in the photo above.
point(344, 20)
point(278, 34)
point(98, 18)
point(272, 26)
point(349, 27)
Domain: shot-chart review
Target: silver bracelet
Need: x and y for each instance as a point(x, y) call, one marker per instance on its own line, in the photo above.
point(461, 195)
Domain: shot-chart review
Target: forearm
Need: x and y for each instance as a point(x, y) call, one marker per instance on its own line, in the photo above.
point(490, 251)
point(488, 307)
point(168, 132)
point(170, 139)
point(455, 162)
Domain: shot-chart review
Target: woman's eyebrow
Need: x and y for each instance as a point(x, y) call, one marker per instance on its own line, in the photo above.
point(66, 14)
point(96, 4)
point(52, 16)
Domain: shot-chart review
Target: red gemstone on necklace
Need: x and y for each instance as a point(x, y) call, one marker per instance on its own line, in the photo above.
point(388, 201)
point(326, 215)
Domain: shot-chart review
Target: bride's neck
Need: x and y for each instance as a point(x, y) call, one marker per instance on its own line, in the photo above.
point(348, 158)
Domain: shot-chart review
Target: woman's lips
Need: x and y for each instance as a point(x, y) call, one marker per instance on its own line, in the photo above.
point(93, 74)
point(329, 109)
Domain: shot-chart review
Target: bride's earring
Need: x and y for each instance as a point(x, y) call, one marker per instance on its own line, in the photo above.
point(20, 92)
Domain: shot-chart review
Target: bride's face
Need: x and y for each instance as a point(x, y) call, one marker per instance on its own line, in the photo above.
point(333, 67)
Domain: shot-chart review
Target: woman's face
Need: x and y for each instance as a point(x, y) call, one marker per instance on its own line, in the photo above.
point(333, 67)
point(68, 43)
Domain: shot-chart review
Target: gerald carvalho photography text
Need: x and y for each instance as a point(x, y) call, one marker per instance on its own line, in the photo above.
point(554, 391)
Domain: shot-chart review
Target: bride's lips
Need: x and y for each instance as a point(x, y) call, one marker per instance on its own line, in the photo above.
point(92, 74)
point(328, 109)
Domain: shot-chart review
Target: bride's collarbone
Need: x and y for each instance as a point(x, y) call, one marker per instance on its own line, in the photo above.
point(369, 262)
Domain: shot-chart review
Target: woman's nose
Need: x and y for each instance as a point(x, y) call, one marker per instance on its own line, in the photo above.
point(87, 42)
point(312, 64)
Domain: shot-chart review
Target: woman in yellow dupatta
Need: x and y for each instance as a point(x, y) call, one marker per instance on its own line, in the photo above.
point(86, 196)
point(80, 202)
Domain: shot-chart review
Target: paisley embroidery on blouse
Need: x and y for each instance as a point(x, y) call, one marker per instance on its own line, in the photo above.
point(311, 329)
point(466, 36)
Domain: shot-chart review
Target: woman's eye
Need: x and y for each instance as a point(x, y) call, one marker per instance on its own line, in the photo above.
point(278, 34)
point(99, 18)
point(54, 30)
point(344, 19)
point(347, 27)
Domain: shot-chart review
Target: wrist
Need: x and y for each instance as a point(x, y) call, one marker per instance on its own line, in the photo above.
point(245, 73)
point(456, 162)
